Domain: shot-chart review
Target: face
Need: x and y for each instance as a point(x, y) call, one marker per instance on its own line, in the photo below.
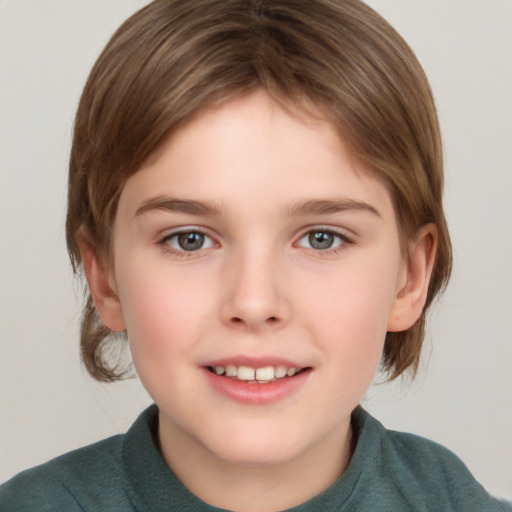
point(257, 267)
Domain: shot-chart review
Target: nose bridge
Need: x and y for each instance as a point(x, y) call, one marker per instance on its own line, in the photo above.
point(255, 292)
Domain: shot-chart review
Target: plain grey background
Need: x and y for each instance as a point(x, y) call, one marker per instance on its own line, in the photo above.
point(462, 396)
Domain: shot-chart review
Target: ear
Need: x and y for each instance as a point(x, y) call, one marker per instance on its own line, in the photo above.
point(101, 285)
point(412, 286)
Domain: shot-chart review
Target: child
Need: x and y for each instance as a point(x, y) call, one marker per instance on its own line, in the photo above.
point(255, 198)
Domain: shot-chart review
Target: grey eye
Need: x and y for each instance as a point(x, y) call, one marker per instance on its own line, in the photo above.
point(322, 240)
point(189, 241)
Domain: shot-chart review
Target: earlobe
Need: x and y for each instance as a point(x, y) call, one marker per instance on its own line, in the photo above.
point(100, 285)
point(412, 288)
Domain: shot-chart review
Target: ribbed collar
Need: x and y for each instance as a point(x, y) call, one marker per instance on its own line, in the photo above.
point(152, 486)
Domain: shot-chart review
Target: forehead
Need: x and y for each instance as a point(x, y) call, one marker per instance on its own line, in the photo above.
point(252, 151)
point(246, 116)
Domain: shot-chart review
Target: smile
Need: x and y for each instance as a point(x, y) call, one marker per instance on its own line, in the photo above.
point(262, 375)
point(256, 384)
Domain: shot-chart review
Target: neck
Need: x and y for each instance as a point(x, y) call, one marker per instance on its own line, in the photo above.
point(256, 488)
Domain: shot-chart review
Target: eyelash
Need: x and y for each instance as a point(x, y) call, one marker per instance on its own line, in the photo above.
point(182, 253)
point(343, 241)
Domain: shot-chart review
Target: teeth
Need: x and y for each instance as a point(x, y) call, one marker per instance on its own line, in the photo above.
point(280, 372)
point(263, 375)
point(245, 373)
point(266, 373)
point(291, 372)
point(230, 371)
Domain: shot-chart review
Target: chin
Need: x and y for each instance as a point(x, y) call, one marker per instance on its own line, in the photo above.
point(258, 446)
point(256, 455)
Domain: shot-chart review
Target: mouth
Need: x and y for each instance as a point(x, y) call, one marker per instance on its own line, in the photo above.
point(263, 375)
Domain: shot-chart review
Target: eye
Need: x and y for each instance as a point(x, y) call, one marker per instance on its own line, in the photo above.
point(322, 240)
point(188, 241)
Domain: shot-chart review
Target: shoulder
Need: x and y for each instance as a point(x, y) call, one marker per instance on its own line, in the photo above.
point(73, 481)
point(427, 475)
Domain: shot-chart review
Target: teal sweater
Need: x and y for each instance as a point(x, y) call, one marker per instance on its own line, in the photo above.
point(389, 472)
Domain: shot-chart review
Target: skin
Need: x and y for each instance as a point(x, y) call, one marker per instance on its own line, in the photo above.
point(257, 288)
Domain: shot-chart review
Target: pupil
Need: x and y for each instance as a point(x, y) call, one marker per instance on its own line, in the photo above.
point(321, 240)
point(191, 241)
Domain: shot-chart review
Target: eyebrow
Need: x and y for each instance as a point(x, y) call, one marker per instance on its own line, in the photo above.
point(323, 207)
point(194, 207)
point(171, 204)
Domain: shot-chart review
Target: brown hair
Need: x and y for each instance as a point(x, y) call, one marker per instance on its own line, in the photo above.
point(174, 58)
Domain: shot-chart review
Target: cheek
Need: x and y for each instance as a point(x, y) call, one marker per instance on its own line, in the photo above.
point(350, 316)
point(161, 310)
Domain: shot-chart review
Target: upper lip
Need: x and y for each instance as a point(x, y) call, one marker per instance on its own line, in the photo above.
point(255, 362)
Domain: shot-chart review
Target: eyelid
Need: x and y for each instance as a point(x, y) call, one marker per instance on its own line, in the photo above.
point(343, 234)
point(174, 232)
point(169, 233)
point(336, 230)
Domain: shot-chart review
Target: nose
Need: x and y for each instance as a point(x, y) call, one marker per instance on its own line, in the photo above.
point(254, 293)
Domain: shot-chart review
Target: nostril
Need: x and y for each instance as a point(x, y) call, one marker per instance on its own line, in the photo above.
point(253, 321)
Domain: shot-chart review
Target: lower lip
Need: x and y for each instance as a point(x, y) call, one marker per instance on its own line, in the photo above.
point(254, 393)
